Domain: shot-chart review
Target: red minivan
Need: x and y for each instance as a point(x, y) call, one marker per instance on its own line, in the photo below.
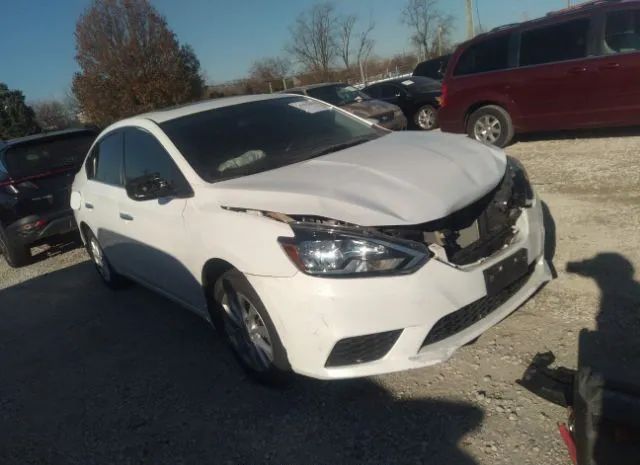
point(576, 68)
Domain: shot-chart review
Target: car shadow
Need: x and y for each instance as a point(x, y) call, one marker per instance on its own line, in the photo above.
point(592, 133)
point(95, 376)
point(549, 238)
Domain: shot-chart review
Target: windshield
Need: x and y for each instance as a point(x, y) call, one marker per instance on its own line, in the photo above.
point(249, 138)
point(40, 157)
point(337, 94)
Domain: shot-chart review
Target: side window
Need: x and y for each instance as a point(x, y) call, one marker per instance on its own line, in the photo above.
point(560, 42)
point(144, 156)
point(373, 92)
point(106, 160)
point(622, 32)
point(491, 54)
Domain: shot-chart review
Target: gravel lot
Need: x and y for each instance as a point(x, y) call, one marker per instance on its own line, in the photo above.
point(89, 376)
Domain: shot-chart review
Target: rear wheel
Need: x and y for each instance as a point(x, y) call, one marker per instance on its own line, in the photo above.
point(243, 321)
point(492, 125)
point(426, 118)
point(16, 255)
point(110, 277)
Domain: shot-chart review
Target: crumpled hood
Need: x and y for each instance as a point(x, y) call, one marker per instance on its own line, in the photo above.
point(402, 178)
point(369, 108)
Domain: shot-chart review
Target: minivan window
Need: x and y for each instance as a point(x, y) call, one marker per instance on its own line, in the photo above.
point(622, 33)
point(144, 155)
point(35, 158)
point(491, 54)
point(239, 140)
point(559, 42)
point(108, 164)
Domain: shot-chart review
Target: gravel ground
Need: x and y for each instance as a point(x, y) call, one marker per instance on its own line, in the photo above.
point(90, 376)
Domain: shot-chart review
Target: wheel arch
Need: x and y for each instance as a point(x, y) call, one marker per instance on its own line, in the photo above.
point(213, 269)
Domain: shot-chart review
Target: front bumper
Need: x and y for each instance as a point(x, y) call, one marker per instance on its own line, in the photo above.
point(313, 314)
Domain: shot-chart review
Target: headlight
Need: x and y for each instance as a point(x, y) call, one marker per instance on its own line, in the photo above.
point(342, 252)
point(522, 190)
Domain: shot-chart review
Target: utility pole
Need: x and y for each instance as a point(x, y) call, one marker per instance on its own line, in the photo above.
point(470, 29)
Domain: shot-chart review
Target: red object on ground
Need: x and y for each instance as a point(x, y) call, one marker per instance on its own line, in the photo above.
point(568, 440)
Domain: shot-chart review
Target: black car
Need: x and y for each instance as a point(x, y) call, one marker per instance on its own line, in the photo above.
point(434, 68)
point(418, 97)
point(36, 173)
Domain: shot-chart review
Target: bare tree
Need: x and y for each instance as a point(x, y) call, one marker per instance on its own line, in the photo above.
point(365, 47)
point(345, 33)
point(130, 62)
point(430, 26)
point(270, 69)
point(54, 114)
point(313, 38)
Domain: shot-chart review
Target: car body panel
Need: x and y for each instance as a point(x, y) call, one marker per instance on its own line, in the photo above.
point(430, 176)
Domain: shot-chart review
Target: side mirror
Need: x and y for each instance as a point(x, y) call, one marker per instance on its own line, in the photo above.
point(149, 187)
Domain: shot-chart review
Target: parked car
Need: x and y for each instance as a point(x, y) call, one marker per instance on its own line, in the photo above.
point(351, 99)
point(434, 68)
point(313, 241)
point(36, 173)
point(418, 97)
point(577, 68)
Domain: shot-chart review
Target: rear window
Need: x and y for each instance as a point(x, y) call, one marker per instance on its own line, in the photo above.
point(560, 42)
point(491, 54)
point(337, 95)
point(622, 33)
point(35, 158)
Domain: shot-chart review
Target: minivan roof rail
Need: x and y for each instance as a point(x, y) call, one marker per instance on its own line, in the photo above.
point(504, 26)
point(581, 6)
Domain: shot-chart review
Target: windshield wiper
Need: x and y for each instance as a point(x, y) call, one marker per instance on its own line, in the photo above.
point(341, 146)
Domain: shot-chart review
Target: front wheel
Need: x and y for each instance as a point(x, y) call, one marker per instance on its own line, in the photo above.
point(426, 118)
point(242, 319)
point(492, 125)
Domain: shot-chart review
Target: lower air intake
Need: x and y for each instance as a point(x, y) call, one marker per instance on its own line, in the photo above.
point(362, 349)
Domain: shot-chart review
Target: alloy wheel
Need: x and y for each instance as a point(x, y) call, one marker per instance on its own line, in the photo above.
point(426, 118)
point(99, 259)
point(246, 330)
point(487, 129)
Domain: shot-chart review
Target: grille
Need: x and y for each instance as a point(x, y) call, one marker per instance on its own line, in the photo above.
point(362, 349)
point(385, 117)
point(469, 315)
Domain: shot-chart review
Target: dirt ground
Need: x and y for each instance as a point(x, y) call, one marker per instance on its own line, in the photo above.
point(88, 376)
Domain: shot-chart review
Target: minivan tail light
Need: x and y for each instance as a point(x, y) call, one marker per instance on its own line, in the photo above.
point(443, 96)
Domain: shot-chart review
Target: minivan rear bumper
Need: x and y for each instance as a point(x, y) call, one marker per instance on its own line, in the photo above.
point(35, 228)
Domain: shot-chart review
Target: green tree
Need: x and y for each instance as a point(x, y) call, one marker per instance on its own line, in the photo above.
point(130, 62)
point(17, 119)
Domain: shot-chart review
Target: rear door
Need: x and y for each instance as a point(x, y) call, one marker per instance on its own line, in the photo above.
point(103, 193)
point(156, 240)
point(615, 77)
point(550, 88)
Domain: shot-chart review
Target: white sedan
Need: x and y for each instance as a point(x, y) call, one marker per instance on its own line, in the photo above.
point(314, 241)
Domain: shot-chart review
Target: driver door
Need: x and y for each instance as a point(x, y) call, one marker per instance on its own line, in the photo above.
point(156, 240)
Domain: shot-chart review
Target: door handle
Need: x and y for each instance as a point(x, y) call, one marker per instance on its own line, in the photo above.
point(126, 217)
point(610, 66)
point(88, 206)
point(578, 70)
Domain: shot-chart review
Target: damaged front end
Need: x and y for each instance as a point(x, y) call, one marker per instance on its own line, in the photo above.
point(480, 229)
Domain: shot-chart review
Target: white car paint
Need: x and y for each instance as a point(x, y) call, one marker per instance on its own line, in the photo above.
point(401, 178)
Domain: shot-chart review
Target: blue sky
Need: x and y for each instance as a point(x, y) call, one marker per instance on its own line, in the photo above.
point(37, 45)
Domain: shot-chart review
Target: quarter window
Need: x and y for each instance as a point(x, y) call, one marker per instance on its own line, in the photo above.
point(491, 54)
point(560, 42)
point(622, 33)
point(105, 164)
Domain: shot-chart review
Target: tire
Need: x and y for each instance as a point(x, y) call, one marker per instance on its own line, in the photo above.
point(492, 125)
point(109, 276)
point(16, 255)
point(426, 118)
point(253, 339)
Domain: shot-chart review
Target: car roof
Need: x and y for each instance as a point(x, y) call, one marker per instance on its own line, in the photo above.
point(161, 116)
point(552, 16)
point(47, 135)
point(316, 86)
